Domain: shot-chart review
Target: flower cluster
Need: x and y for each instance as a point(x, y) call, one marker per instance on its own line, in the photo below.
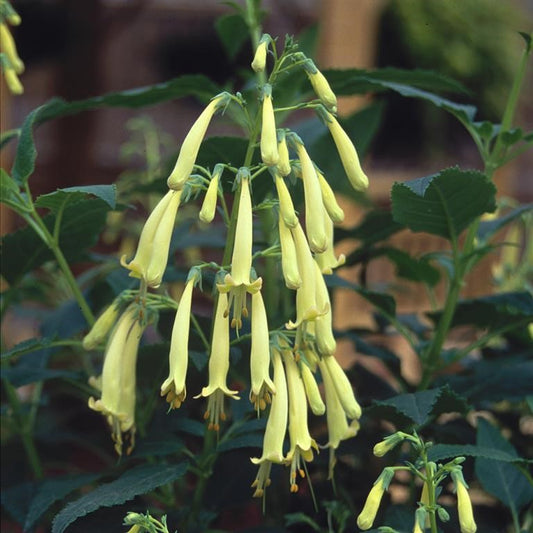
point(11, 63)
point(300, 352)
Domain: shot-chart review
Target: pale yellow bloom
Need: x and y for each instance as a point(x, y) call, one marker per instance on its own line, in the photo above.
point(306, 302)
point(12, 81)
point(348, 154)
point(301, 443)
point(370, 509)
point(333, 209)
point(276, 428)
point(117, 402)
point(191, 144)
point(161, 242)
point(314, 221)
point(324, 338)
point(261, 385)
point(268, 143)
point(8, 47)
point(343, 387)
point(259, 61)
point(420, 520)
point(101, 327)
point(238, 282)
point(284, 163)
point(209, 205)
point(338, 427)
point(321, 86)
point(138, 266)
point(174, 386)
point(289, 262)
point(218, 367)
point(286, 206)
point(327, 260)
point(312, 391)
point(387, 444)
point(464, 505)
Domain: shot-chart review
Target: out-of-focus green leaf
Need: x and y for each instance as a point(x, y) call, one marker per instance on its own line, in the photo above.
point(492, 311)
point(27, 346)
point(376, 226)
point(23, 250)
point(443, 204)
point(61, 197)
point(503, 480)
point(9, 191)
point(487, 228)
point(52, 490)
point(413, 269)
point(233, 33)
point(247, 440)
point(448, 451)
point(138, 480)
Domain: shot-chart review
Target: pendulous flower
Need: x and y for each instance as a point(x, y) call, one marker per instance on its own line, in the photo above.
point(370, 509)
point(464, 505)
point(101, 327)
point(284, 163)
point(343, 387)
point(286, 206)
point(268, 143)
point(259, 61)
point(218, 367)
point(174, 386)
point(312, 391)
point(327, 260)
point(191, 144)
point(321, 86)
point(324, 338)
point(289, 262)
point(333, 209)
point(209, 205)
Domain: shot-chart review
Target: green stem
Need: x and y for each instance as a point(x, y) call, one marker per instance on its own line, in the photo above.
point(430, 481)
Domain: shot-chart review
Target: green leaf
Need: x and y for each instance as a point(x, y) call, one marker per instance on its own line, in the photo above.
point(301, 518)
point(376, 226)
point(492, 311)
point(443, 204)
point(58, 199)
point(9, 192)
point(23, 250)
point(233, 33)
point(406, 409)
point(413, 269)
point(488, 228)
point(503, 480)
point(139, 480)
point(247, 440)
point(360, 81)
point(25, 374)
point(448, 451)
point(52, 490)
point(230, 150)
point(27, 346)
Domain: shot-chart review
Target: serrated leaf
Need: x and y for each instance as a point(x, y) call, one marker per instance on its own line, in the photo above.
point(52, 490)
point(448, 451)
point(139, 480)
point(23, 250)
point(503, 480)
point(233, 33)
point(492, 311)
point(27, 346)
point(61, 197)
point(487, 228)
point(443, 204)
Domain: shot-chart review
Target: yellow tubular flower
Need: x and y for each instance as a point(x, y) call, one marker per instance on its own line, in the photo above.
point(387, 444)
point(8, 47)
point(238, 283)
point(209, 205)
point(321, 86)
point(284, 163)
point(338, 427)
point(289, 263)
point(311, 390)
point(259, 62)
point(314, 221)
point(269, 143)
point(117, 403)
point(191, 144)
point(343, 388)
point(138, 266)
point(420, 520)
point(300, 440)
point(174, 386)
point(161, 243)
point(286, 206)
point(348, 154)
point(464, 505)
point(325, 341)
point(261, 386)
point(101, 327)
point(333, 209)
point(13, 82)
point(306, 303)
point(327, 260)
point(218, 367)
point(276, 428)
point(370, 509)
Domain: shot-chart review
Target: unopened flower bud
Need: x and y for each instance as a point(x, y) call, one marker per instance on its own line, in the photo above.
point(101, 327)
point(321, 86)
point(312, 392)
point(370, 509)
point(464, 505)
point(387, 444)
point(269, 143)
point(284, 163)
point(259, 62)
point(207, 213)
